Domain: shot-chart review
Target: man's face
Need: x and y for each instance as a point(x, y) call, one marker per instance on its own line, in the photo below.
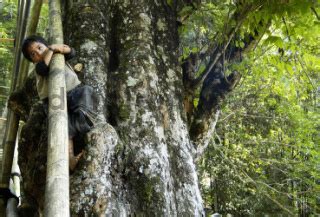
point(37, 51)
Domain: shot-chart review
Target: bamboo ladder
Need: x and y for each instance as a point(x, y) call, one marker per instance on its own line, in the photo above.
point(57, 180)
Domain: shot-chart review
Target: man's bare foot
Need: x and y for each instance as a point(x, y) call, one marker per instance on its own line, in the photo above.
point(73, 161)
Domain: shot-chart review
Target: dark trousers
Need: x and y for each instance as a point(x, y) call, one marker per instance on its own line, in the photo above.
point(80, 104)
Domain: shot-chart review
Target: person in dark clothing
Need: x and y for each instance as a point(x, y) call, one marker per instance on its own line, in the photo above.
point(80, 98)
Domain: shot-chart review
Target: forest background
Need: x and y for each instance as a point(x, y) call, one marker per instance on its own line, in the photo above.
point(264, 155)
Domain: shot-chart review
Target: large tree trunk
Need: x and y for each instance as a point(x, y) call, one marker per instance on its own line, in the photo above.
point(142, 163)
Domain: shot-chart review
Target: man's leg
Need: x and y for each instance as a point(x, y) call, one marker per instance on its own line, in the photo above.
point(73, 160)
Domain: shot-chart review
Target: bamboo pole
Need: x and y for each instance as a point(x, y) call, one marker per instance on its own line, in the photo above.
point(31, 30)
point(12, 122)
point(57, 180)
point(21, 30)
point(15, 171)
point(11, 129)
point(12, 203)
point(11, 210)
point(12, 119)
point(18, 77)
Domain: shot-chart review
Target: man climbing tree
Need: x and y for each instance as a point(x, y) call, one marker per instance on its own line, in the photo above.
point(161, 109)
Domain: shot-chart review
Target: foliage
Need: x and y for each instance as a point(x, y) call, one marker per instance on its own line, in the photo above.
point(264, 157)
point(7, 31)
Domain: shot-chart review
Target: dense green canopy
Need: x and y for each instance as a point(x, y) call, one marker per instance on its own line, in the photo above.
point(264, 157)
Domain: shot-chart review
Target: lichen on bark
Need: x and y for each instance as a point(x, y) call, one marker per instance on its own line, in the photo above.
point(141, 162)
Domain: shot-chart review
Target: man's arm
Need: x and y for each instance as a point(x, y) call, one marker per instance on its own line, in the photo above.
point(68, 52)
point(42, 68)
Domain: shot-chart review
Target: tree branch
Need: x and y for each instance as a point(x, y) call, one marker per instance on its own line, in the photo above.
point(304, 70)
point(287, 30)
point(204, 142)
point(211, 96)
point(216, 85)
point(315, 12)
point(196, 83)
